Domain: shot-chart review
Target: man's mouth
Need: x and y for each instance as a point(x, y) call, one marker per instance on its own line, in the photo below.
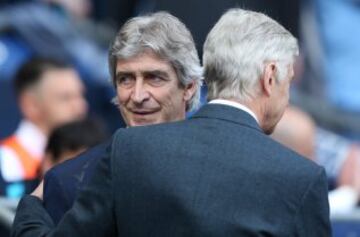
point(143, 112)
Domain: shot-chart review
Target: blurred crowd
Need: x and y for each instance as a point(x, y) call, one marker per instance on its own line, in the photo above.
point(55, 91)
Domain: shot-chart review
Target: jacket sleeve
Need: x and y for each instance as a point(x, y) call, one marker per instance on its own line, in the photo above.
point(91, 215)
point(312, 219)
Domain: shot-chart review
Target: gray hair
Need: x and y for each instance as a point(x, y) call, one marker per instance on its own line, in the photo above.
point(169, 39)
point(237, 49)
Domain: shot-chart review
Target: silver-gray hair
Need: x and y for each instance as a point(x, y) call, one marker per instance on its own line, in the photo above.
point(238, 47)
point(168, 38)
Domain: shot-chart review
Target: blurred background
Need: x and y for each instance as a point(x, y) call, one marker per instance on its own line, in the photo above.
point(325, 95)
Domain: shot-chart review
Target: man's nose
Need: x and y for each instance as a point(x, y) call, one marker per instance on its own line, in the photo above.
point(140, 93)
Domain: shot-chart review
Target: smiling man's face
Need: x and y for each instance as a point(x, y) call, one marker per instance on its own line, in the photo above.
point(149, 91)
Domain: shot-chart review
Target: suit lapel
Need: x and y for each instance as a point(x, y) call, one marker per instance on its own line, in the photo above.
point(227, 113)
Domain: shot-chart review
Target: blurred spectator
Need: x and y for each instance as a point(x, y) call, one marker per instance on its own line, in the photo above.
point(36, 28)
point(331, 36)
point(51, 33)
point(49, 93)
point(77, 8)
point(80, 13)
point(71, 139)
point(298, 131)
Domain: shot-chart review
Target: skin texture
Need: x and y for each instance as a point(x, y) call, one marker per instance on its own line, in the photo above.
point(277, 92)
point(149, 91)
point(273, 97)
point(296, 130)
point(58, 98)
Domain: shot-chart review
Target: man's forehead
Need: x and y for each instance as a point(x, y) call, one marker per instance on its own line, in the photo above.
point(66, 78)
point(145, 62)
point(59, 73)
point(54, 76)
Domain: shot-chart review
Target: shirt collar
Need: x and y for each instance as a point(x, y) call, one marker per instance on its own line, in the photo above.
point(236, 105)
point(31, 137)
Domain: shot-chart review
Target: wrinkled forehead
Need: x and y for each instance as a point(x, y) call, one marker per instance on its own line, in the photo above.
point(147, 60)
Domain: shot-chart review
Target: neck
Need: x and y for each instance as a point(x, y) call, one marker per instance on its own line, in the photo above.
point(44, 129)
point(255, 106)
point(236, 104)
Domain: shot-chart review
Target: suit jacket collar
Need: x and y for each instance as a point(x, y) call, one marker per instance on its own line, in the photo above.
point(228, 113)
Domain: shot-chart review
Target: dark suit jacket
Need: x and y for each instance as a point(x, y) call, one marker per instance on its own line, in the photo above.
point(216, 174)
point(63, 182)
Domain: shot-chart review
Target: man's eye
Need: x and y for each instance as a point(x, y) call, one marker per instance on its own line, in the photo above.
point(125, 81)
point(155, 80)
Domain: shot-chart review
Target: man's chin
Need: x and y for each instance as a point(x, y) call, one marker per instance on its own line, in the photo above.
point(269, 130)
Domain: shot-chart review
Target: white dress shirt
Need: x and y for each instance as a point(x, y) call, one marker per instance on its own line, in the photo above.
point(236, 105)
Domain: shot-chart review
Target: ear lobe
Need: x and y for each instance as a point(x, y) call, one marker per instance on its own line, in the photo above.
point(268, 79)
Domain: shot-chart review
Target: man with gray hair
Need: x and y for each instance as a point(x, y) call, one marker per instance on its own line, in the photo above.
point(156, 71)
point(156, 51)
point(216, 174)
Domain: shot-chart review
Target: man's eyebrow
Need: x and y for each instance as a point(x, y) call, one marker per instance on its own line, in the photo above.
point(123, 73)
point(160, 73)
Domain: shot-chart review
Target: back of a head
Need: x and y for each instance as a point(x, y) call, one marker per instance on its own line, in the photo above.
point(167, 37)
point(237, 49)
point(30, 73)
point(73, 137)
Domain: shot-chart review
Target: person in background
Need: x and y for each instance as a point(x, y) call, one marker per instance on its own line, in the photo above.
point(71, 139)
point(156, 72)
point(299, 132)
point(49, 93)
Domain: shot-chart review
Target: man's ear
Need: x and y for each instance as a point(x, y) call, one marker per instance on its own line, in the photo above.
point(268, 79)
point(189, 91)
point(29, 106)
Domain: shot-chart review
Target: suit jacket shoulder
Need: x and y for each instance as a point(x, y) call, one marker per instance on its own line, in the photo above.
point(63, 182)
point(218, 168)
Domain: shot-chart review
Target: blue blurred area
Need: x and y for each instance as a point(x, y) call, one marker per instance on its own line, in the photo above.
point(35, 29)
point(346, 228)
point(13, 52)
point(9, 112)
